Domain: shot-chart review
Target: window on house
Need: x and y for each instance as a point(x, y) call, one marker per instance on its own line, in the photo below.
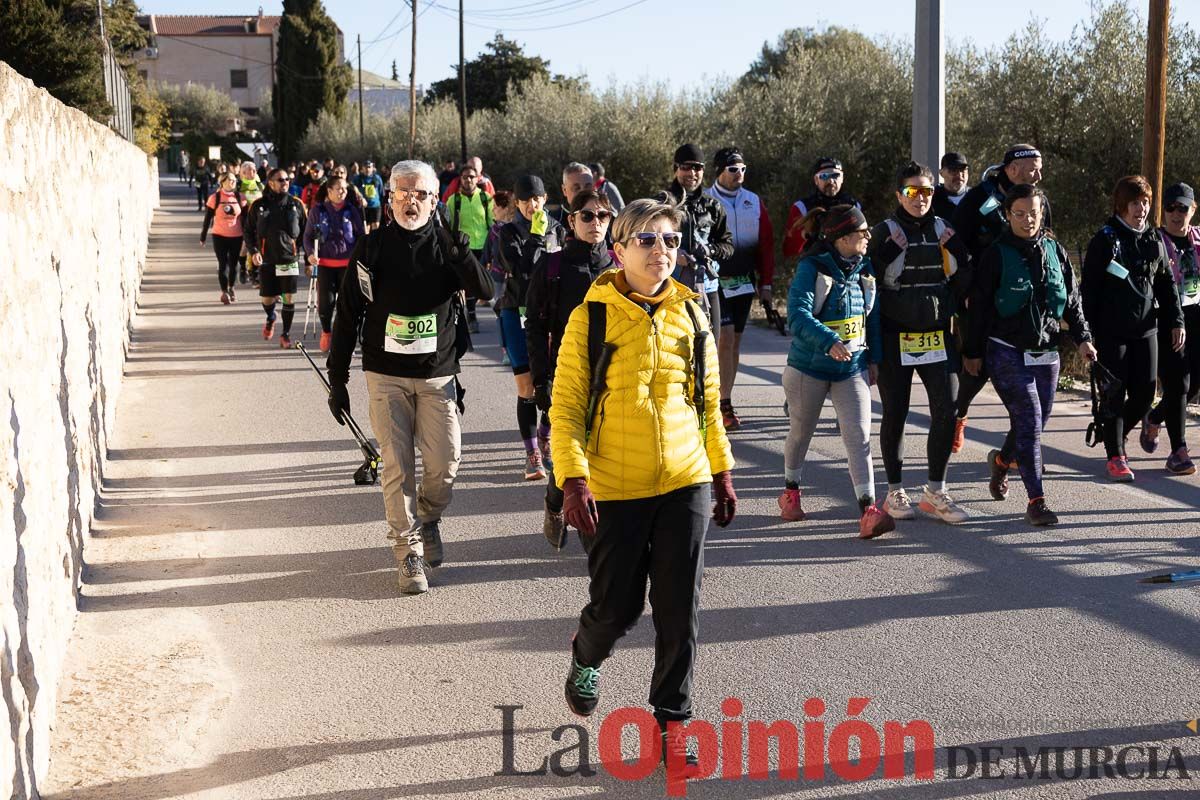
point(237, 79)
point(144, 75)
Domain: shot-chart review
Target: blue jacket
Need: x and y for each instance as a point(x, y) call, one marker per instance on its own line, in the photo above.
point(846, 296)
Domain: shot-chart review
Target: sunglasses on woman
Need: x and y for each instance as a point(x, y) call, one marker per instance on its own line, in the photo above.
point(1177, 208)
point(646, 240)
point(913, 192)
point(587, 215)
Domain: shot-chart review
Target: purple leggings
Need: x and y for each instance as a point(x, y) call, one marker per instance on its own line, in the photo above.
point(1028, 394)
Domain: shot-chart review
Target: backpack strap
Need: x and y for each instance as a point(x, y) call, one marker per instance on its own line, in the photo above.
point(599, 356)
point(699, 341)
point(821, 289)
point(486, 199)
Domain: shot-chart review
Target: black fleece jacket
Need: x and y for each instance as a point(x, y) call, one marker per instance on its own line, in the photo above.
point(550, 306)
point(1124, 273)
point(705, 229)
point(415, 274)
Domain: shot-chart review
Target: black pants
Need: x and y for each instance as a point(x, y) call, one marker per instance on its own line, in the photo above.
point(227, 249)
point(1134, 361)
point(966, 387)
point(1180, 376)
point(895, 393)
point(660, 539)
point(473, 301)
point(329, 281)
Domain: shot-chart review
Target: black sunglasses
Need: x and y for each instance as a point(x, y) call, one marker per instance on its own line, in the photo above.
point(646, 240)
point(587, 215)
point(1177, 208)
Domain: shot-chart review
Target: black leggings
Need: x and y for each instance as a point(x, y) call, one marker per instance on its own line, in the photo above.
point(227, 248)
point(329, 281)
point(1180, 376)
point(967, 386)
point(895, 391)
point(1135, 362)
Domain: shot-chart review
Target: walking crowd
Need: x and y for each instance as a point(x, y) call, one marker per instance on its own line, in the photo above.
point(623, 322)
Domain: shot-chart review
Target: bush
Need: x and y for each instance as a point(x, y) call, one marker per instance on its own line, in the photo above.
point(836, 92)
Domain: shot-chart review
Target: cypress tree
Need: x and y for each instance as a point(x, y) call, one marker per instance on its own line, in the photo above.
point(308, 71)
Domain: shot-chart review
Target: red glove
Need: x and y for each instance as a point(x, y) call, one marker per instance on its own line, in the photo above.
point(579, 506)
point(725, 497)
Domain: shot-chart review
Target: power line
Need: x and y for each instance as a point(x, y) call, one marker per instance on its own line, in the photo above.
point(518, 12)
point(551, 27)
point(391, 22)
point(407, 25)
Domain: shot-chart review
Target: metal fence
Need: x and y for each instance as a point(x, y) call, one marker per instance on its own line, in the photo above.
point(116, 89)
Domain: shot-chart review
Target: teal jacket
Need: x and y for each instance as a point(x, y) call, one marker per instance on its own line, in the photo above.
point(844, 293)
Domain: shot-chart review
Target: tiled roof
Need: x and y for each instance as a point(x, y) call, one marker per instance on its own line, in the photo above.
point(194, 25)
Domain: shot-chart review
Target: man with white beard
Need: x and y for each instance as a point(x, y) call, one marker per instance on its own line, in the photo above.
point(404, 297)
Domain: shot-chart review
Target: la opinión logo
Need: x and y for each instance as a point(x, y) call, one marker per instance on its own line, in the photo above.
point(734, 742)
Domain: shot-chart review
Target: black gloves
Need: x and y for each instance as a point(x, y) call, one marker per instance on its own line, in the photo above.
point(541, 397)
point(339, 401)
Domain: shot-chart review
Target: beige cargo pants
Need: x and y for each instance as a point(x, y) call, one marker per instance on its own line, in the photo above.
point(409, 414)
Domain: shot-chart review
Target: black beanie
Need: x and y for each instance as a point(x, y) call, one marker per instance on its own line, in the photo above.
point(529, 186)
point(688, 153)
point(840, 221)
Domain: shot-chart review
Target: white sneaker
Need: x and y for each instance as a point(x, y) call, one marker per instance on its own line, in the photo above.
point(939, 504)
point(898, 506)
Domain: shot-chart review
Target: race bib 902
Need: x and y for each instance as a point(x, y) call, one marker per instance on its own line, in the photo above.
point(411, 335)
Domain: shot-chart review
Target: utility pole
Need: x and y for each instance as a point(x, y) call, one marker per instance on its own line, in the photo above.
point(1154, 131)
point(362, 142)
point(929, 86)
point(462, 85)
point(412, 87)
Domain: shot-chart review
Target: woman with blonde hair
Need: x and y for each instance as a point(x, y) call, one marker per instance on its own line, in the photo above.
point(640, 453)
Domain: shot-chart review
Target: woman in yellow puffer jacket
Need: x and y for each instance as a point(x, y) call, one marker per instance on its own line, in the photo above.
point(636, 484)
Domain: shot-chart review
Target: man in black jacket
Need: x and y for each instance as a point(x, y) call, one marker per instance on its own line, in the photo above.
point(979, 218)
point(273, 232)
point(403, 291)
point(954, 172)
point(707, 240)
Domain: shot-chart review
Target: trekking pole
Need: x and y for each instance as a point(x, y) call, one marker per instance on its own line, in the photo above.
point(368, 473)
point(311, 303)
point(1173, 577)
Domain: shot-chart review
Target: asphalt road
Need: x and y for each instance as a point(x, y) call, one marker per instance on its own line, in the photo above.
point(241, 599)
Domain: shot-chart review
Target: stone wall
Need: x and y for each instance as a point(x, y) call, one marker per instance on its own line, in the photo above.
point(75, 207)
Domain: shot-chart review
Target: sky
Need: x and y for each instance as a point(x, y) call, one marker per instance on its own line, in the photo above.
point(686, 43)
